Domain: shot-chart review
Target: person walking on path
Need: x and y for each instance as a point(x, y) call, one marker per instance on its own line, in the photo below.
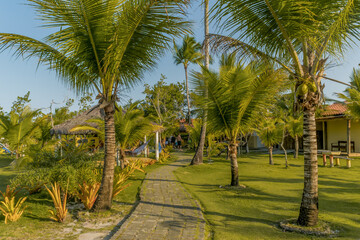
point(179, 139)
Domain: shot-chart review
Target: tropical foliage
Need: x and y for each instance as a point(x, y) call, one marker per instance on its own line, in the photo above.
point(352, 95)
point(188, 52)
point(88, 194)
point(270, 132)
point(20, 130)
point(301, 38)
point(11, 210)
point(103, 46)
point(236, 93)
point(130, 128)
point(61, 210)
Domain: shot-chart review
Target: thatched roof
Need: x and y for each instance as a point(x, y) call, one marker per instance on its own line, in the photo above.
point(64, 128)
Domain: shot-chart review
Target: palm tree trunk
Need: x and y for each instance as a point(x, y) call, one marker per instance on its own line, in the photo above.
point(309, 208)
point(198, 157)
point(296, 153)
point(234, 164)
point(187, 93)
point(103, 201)
point(271, 161)
point(283, 148)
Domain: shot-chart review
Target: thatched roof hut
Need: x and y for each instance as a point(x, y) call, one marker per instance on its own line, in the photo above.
point(64, 128)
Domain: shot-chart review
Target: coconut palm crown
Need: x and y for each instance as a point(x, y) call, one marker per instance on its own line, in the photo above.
point(188, 52)
point(235, 95)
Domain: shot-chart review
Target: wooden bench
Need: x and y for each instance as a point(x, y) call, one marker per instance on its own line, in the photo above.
point(348, 161)
point(331, 155)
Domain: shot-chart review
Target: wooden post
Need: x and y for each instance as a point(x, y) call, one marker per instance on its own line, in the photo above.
point(61, 149)
point(348, 137)
point(145, 150)
point(348, 163)
point(157, 146)
point(324, 135)
point(324, 160)
point(331, 160)
point(337, 161)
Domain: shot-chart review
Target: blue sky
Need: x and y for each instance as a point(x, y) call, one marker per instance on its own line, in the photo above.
point(19, 76)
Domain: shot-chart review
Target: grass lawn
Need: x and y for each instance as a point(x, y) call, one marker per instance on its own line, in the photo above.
point(36, 224)
point(273, 194)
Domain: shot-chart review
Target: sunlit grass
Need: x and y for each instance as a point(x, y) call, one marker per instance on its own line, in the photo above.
point(273, 194)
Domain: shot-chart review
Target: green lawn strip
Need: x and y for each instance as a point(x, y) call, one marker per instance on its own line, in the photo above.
point(273, 194)
point(36, 224)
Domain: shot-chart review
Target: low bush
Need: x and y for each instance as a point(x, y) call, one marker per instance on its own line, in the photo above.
point(65, 175)
point(31, 180)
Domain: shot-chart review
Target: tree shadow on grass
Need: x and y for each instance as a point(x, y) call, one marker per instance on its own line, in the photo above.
point(270, 179)
point(35, 217)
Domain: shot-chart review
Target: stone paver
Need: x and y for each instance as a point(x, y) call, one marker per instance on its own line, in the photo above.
point(166, 210)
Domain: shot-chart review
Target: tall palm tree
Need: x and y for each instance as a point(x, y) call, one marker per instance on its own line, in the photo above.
point(188, 52)
point(236, 93)
point(300, 37)
point(102, 45)
point(198, 156)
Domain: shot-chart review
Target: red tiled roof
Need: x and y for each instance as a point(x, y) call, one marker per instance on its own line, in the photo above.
point(335, 109)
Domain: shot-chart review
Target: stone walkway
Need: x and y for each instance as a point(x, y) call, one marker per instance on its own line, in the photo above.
point(166, 210)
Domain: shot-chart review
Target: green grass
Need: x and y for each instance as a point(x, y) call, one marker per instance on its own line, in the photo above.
point(273, 194)
point(36, 224)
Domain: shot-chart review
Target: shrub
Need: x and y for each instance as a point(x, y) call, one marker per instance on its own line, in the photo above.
point(31, 180)
point(65, 175)
point(9, 209)
point(60, 212)
point(164, 156)
point(88, 194)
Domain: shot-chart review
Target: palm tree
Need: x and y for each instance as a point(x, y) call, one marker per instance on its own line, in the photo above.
point(300, 37)
point(20, 130)
point(130, 128)
point(102, 45)
point(236, 93)
point(188, 52)
point(194, 131)
point(198, 156)
point(270, 132)
point(352, 95)
point(295, 129)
